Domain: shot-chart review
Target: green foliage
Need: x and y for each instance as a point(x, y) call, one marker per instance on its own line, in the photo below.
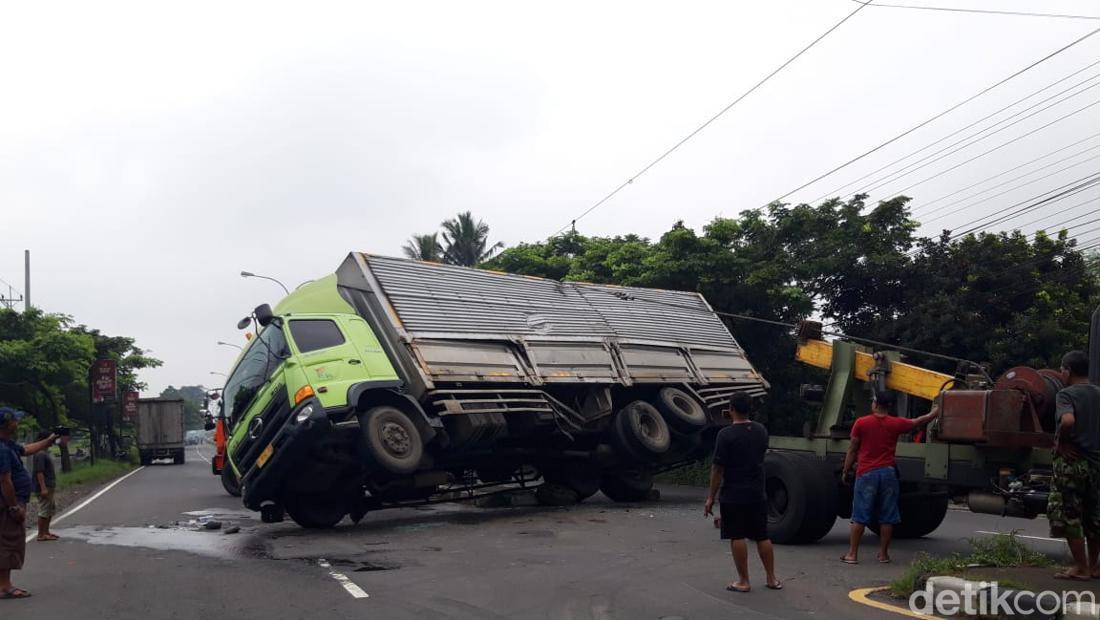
point(85, 473)
point(424, 247)
point(1004, 551)
point(696, 474)
point(996, 298)
point(193, 397)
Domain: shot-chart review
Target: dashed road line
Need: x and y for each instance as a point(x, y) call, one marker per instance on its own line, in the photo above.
point(91, 499)
point(349, 585)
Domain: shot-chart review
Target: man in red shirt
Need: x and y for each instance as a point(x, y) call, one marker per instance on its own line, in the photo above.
point(875, 497)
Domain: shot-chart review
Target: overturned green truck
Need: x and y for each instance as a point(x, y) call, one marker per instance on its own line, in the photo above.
point(393, 382)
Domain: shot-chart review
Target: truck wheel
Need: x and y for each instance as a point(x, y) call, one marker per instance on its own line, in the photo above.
point(553, 494)
point(316, 511)
point(639, 433)
point(392, 441)
point(145, 460)
point(683, 413)
point(921, 514)
point(801, 498)
point(178, 458)
point(627, 486)
point(230, 483)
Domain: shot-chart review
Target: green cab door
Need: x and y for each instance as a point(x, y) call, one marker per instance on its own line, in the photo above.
point(327, 356)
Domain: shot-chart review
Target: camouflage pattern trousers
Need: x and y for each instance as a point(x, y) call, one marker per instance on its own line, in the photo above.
point(1073, 507)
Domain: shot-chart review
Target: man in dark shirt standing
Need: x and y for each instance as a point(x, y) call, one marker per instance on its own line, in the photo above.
point(15, 492)
point(739, 469)
point(1073, 508)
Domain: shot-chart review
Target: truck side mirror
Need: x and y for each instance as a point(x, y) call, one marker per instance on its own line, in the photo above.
point(264, 315)
point(244, 323)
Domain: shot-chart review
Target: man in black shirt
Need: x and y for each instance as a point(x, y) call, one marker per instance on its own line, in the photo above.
point(739, 469)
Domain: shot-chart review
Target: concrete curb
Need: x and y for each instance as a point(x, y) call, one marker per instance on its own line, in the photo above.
point(983, 595)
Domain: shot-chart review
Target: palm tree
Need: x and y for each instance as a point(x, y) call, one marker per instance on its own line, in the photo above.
point(424, 247)
point(465, 241)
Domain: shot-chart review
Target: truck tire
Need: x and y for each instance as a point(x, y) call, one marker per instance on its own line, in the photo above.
point(554, 494)
point(319, 512)
point(179, 457)
point(627, 486)
point(639, 433)
point(802, 498)
point(144, 457)
point(921, 514)
point(230, 483)
point(684, 414)
point(392, 441)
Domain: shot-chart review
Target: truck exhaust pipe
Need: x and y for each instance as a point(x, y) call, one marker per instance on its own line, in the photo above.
point(1025, 507)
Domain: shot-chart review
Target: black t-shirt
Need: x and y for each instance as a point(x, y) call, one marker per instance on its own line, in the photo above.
point(43, 464)
point(1083, 401)
point(740, 449)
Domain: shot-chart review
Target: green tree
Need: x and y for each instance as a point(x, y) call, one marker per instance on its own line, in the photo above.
point(424, 247)
point(193, 398)
point(466, 241)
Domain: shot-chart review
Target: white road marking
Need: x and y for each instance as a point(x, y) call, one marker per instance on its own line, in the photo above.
point(1057, 540)
point(200, 454)
point(91, 499)
point(349, 585)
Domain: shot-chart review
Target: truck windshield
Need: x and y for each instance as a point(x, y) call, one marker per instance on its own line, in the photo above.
point(255, 367)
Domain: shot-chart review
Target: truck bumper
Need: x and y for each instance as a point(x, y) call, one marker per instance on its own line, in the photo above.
point(306, 424)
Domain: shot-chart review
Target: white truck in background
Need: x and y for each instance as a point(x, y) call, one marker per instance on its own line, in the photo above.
point(160, 430)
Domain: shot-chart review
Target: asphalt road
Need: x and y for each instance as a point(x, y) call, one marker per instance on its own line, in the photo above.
point(597, 560)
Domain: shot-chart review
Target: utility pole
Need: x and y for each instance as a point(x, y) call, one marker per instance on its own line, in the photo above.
point(26, 280)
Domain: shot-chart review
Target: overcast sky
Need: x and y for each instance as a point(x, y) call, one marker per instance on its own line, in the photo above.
point(148, 155)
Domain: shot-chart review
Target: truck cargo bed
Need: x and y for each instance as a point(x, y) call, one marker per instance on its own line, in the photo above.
point(462, 325)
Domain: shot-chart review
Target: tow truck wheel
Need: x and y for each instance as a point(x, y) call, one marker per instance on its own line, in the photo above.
point(316, 511)
point(639, 433)
point(230, 483)
point(801, 496)
point(392, 441)
point(627, 486)
point(683, 413)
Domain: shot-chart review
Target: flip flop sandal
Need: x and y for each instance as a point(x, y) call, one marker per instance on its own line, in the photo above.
point(14, 593)
point(778, 586)
point(882, 561)
point(847, 561)
point(741, 590)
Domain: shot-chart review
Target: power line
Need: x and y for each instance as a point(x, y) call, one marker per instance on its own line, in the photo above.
point(1006, 182)
point(997, 148)
point(957, 131)
point(1082, 184)
point(937, 116)
point(1011, 189)
point(983, 11)
point(1080, 204)
point(932, 158)
point(1015, 168)
point(710, 120)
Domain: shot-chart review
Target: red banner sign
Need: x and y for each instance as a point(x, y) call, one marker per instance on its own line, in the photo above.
point(103, 380)
point(129, 405)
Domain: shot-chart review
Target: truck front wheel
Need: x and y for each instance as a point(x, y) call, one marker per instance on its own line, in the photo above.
point(230, 483)
point(639, 433)
point(392, 441)
point(801, 497)
point(921, 514)
point(316, 511)
point(627, 486)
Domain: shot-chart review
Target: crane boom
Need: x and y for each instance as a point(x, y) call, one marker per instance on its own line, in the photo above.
point(906, 378)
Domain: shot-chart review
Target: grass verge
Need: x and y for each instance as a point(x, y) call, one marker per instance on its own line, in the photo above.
point(997, 551)
point(693, 474)
point(84, 472)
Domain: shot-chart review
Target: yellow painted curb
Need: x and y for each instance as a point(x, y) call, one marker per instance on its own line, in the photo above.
point(860, 595)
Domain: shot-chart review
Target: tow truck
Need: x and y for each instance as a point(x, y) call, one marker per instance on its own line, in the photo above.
point(990, 447)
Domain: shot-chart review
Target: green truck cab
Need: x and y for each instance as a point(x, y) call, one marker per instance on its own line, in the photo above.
point(395, 381)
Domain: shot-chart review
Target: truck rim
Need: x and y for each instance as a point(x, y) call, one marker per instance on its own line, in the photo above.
point(396, 438)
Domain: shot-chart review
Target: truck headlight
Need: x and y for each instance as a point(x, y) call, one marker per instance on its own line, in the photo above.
point(304, 414)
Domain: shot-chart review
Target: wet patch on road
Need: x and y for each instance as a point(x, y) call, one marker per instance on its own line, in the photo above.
point(166, 538)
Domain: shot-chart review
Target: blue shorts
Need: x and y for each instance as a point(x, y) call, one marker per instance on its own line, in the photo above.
point(875, 498)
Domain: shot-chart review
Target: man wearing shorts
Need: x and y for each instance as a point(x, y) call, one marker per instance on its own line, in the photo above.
point(875, 497)
point(44, 477)
point(1073, 508)
point(15, 492)
point(739, 470)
